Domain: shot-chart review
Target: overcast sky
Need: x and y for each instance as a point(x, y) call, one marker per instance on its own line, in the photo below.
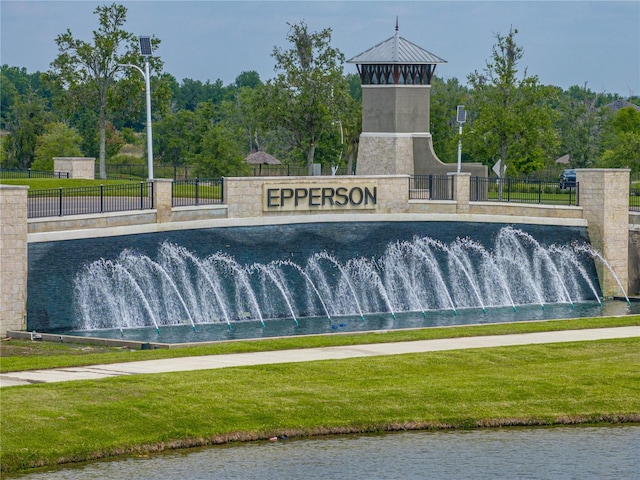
point(565, 43)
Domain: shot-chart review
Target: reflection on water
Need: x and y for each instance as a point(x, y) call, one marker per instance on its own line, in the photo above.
point(531, 453)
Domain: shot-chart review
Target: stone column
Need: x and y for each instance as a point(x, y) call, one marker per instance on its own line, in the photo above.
point(461, 190)
point(13, 258)
point(604, 197)
point(162, 200)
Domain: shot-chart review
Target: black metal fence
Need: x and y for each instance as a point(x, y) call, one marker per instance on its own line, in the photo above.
point(189, 172)
point(139, 171)
point(293, 171)
point(85, 200)
point(523, 191)
point(29, 173)
point(201, 191)
point(431, 187)
point(634, 199)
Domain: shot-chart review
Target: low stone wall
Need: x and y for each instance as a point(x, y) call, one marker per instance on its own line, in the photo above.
point(78, 167)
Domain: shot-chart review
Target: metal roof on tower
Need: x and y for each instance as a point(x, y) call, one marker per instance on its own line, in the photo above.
point(396, 50)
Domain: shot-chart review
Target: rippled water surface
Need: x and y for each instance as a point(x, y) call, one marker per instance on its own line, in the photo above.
point(518, 453)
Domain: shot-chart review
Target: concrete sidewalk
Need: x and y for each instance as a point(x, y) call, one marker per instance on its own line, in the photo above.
point(182, 364)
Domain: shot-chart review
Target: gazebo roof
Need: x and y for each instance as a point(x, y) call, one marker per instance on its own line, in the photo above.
point(261, 157)
point(396, 50)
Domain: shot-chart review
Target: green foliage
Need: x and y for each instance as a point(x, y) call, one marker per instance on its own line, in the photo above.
point(195, 138)
point(621, 142)
point(579, 124)
point(510, 119)
point(58, 140)
point(305, 98)
point(445, 97)
point(250, 79)
point(219, 155)
point(177, 138)
point(28, 119)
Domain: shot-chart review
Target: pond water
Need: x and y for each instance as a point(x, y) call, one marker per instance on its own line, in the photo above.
point(605, 452)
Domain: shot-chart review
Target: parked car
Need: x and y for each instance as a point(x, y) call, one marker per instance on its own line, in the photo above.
point(567, 179)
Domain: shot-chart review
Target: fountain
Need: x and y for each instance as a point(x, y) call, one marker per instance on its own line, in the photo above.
point(305, 273)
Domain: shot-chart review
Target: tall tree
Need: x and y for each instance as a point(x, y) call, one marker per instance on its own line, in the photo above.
point(96, 65)
point(579, 125)
point(305, 97)
point(511, 119)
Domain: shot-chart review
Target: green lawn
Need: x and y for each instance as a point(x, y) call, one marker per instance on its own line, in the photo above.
point(49, 183)
point(581, 382)
point(16, 355)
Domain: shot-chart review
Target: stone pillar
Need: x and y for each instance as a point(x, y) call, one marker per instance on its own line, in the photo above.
point(461, 190)
point(78, 167)
point(604, 197)
point(162, 199)
point(13, 258)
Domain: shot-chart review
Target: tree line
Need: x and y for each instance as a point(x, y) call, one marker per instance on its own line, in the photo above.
point(89, 104)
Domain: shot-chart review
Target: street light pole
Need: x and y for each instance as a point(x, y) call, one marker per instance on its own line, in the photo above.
point(461, 117)
point(145, 51)
point(149, 129)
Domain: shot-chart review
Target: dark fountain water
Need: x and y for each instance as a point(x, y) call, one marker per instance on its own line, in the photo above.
point(252, 282)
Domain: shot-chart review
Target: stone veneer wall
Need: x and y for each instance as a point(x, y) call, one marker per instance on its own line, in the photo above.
point(604, 197)
point(13, 258)
point(385, 154)
point(78, 167)
point(244, 196)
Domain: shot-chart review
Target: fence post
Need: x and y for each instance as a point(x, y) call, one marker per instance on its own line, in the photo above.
point(539, 192)
point(60, 203)
point(141, 195)
point(197, 191)
point(101, 198)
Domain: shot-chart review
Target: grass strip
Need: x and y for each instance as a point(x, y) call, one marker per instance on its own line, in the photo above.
point(17, 355)
point(563, 383)
point(49, 183)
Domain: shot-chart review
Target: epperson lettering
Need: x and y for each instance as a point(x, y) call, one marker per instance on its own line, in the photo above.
point(321, 197)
